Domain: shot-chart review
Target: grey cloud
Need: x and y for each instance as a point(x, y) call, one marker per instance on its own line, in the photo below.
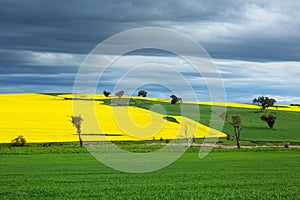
point(77, 26)
point(52, 37)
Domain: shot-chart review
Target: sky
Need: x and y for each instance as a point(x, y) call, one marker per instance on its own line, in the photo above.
point(255, 45)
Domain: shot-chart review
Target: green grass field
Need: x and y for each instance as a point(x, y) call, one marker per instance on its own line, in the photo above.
point(286, 128)
point(66, 171)
point(69, 172)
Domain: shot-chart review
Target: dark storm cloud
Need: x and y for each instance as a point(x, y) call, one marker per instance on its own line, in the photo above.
point(235, 29)
point(43, 42)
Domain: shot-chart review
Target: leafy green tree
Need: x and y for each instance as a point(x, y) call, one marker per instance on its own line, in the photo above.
point(175, 99)
point(142, 93)
point(106, 94)
point(264, 102)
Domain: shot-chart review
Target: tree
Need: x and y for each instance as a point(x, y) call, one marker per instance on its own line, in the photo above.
point(236, 122)
point(179, 100)
point(175, 99)
point(106, 94)
point(76, 121)
point(188, 140)
point(142, 93)
point(264, 102)
point(270, 119)
point(120, 93)
point(19, 141)
point(224, 116)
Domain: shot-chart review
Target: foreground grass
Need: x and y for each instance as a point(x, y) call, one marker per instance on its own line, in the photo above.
point(69, 172)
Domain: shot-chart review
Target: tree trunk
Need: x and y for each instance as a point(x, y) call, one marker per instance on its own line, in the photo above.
point(237, 133)
point(80, 140)
point(238, 137)
point(238, 143)
point(186, 137)
point(79, 136)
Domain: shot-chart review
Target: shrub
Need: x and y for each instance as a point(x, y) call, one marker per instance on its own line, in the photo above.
point(20, 141)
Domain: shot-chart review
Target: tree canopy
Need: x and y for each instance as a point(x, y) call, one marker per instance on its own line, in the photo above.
point(106, 93)
point(142, 93)
point(264, 102)
point(120, 93)
point(174, 99)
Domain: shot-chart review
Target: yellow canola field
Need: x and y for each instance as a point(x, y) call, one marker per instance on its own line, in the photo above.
point(132, 123)
point(45, 118)
point(39, 118)
point(251, 106)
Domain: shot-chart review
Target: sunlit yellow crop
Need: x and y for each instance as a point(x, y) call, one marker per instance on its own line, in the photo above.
point(252, 106)
point(39, 118)
point(46, 118)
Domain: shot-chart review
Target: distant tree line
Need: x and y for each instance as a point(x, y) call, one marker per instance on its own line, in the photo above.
point(143, 93)
point(120, 93)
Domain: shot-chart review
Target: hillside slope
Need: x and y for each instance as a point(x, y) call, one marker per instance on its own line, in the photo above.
point(46, 118)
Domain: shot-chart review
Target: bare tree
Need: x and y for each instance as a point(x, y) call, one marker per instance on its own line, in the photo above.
point(224, 116)
point(120, 93)
point(188, 140)
point(237, 127)
point(76, 121)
